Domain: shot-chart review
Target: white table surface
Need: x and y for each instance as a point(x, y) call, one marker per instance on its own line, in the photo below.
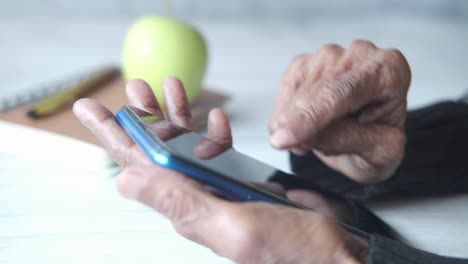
point(246, 60)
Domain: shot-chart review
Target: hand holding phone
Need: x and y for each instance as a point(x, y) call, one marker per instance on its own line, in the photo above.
point(225, 171)
point(236, 230)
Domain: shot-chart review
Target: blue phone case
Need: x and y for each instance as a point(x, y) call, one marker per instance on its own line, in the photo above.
point(228, 187)
point(144, 137)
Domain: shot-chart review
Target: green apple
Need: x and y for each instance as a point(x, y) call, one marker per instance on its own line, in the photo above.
point(157, 47)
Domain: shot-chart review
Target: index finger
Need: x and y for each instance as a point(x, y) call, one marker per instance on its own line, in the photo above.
point(314, 109)
point(177, 105)
point(140, 95)
point(294, 76)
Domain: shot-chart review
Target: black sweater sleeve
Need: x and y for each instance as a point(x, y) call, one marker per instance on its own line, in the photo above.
point(383, 245)
point(434, 162)
point(385, 251)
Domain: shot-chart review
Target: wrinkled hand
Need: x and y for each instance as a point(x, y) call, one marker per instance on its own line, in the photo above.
point(246, 232)
point(249, 232)
point(348, 106)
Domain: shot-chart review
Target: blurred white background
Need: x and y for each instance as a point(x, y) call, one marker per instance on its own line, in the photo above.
point(43, 40)
point(244, 9)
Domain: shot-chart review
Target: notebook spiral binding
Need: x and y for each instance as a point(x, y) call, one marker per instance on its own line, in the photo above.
point(39, 92)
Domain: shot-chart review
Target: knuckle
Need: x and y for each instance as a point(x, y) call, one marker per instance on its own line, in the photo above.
point(181, 207)
point(362, 44)
point(188, 231)
point(127, 154)
point(399, 67)
point(340, 88)
point(393, 55)
point(103, 118)
point(169, 202)
point(308, 112)
point(296, 72)
point(246, 232)
point(182, 110)
point(148, 102)
point(299, 60)
point(125, 160)
point(339, 95)
point(249, 240)
point(331, 48)
point(123, 186)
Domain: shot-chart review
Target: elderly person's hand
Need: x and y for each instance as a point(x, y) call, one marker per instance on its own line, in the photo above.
point(246, 232)
point(348, 106)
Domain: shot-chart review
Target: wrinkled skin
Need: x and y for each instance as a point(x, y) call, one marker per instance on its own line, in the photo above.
point(348, 106)
point(246, 232)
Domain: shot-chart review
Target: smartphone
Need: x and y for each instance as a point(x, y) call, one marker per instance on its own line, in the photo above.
point(224, 170)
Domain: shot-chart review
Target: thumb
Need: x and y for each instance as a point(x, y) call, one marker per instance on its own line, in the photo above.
point(378, 149)
point(317, 107)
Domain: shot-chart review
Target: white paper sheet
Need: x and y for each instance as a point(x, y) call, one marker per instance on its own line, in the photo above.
point(59, 204)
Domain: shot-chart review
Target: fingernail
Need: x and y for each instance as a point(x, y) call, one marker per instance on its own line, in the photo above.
point(282, 139)
point(131, 183)
point(298, 152)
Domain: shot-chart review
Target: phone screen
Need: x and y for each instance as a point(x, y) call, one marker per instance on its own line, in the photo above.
point(200, 150)
point(176, 142)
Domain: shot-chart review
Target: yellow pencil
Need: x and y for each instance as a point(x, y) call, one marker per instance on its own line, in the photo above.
point(57, 102)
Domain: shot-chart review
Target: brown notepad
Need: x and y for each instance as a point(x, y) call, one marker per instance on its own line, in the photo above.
point(112, 95)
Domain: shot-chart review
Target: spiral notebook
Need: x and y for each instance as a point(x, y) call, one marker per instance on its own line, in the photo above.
point(40, 91)
point(110, 94)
